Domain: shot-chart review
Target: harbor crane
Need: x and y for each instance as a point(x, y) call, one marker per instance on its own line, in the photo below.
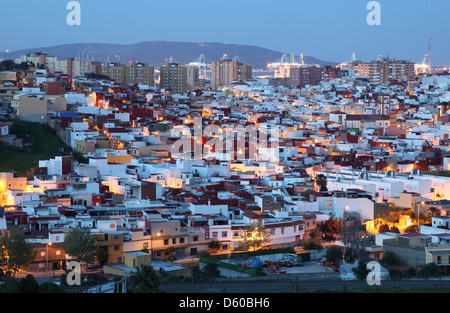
point(202, 64)
point(282, 65)
point(425, 67)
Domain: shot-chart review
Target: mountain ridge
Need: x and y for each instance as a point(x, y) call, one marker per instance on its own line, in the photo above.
point(156, 52)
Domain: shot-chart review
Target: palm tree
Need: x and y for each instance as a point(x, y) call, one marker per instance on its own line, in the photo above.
point(144, 280)
point(321, 181)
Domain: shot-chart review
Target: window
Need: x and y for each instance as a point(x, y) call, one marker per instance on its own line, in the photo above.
point(214, 234)
point(166, 242)
point(181, 240)
point(116, 248)
point(174, 241)
point(58, 252)
point(224, 234)
point(145, 245)
point(195, 238)
point(282, 230)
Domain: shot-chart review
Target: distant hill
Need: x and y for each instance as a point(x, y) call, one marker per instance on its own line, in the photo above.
point(156, 52)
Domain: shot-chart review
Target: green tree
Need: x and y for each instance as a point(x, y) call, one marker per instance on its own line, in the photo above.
point(354, 236)
point(391, 259)
point(334, 254)
point(383, 228)
point(432, 212)
point(330, 229)
point(8, 65)
point(49, 287)
point(144, 280)
point(412, 229)
point(308, 193)
point(348, 256)
point(211, 269)
point(214, 245)
point(321, 181)
point(361, 270)
point(102, 256)
point(27, 285)
point(313, 244)
point(23, 66)
point(16, 253)
point(429, 270)
point(169, 251)
point(254, 235)
point(81, 245)
point(394, 229)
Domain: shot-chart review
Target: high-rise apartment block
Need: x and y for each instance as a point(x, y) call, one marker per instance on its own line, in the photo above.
point(173, 78)
point(226, 71)
point(300, 76)
point(137, 73)
point(193, 76)
point(385, 70)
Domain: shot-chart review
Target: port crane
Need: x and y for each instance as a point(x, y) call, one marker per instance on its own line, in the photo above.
point(282, 65)
point(203, 66)
point(425, 67)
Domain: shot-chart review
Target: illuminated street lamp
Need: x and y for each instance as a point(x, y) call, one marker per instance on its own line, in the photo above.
point(53, 268)
point(151, 244)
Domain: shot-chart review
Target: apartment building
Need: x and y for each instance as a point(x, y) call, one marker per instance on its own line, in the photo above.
point(225, 71)
point(300, 76)
point(193, 76)
point(140, 74)
point(112, 243)
point(137, 73)
point(385, 70)
point(173, 78)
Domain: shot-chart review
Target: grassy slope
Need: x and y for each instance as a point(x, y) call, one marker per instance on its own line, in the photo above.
point(46, 145)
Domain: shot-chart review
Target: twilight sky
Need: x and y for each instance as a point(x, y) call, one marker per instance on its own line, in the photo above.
point(327, 29)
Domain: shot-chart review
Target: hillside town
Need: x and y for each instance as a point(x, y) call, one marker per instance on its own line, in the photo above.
point(161, 162)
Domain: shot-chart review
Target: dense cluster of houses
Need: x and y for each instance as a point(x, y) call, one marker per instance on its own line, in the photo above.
point(163, 170)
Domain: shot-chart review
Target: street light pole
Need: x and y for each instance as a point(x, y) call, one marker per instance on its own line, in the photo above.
point(151, 244)
point(48, 258)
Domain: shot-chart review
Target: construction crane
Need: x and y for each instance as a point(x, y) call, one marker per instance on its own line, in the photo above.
point(282, 65)
point(425, 67)
point(202, 64)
